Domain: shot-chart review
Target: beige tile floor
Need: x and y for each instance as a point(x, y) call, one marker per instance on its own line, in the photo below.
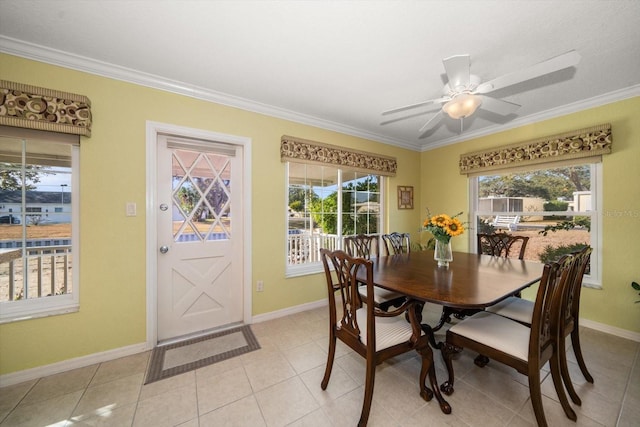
point(279, 385)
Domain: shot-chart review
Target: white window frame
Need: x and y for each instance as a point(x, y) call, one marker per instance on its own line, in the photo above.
point(11, 311)
point(317, 267)
point(594, 278)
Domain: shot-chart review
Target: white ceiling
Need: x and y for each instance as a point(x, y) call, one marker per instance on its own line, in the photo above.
point(339, 64)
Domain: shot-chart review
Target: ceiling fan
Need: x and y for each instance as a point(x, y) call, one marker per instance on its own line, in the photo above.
point(465, 92)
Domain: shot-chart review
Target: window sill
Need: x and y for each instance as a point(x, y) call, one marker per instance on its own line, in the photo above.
point(591, 285)
point(40, 315)
point(17, 311)
point(303, 270)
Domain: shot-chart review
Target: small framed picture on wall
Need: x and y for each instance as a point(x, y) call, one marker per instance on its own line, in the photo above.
point(405, 197)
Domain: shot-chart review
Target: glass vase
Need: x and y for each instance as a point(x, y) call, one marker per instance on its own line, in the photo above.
point(443, 253)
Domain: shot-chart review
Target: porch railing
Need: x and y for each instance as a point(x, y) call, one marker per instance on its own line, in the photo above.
point(304, 247)
point(45, 270)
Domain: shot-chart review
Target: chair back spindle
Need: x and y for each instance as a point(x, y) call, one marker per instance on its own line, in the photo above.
point(397, 243)
point(346, 269)
point(546, 312)
point(571, 305)
point(361, 245)
point(502, 244)
point(366, 246)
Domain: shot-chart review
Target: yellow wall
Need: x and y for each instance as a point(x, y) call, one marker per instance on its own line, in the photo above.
point(112, 246)
point(443, 189)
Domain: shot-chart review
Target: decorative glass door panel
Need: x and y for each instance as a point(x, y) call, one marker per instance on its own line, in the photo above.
point(201, 195)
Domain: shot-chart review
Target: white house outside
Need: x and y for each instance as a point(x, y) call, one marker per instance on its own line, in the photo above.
point(40, 207)
point(512, 204)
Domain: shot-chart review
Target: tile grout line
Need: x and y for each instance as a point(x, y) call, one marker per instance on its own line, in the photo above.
point(634, 366)
point(21, 400)
point(144, 376)
point(84, 392)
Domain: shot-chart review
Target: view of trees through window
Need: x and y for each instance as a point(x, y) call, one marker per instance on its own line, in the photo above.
point(548, 184)
point(315, 216)
point(554, 207)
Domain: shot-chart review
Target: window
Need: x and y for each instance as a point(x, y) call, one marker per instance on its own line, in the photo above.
point(38, 233)
point(324, 204)
point(558, 207)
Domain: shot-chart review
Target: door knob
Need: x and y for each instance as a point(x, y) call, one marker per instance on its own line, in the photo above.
point(164, 249)
point(164, 207)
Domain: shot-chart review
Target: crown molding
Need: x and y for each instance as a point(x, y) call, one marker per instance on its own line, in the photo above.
point(80, 63)
point(51, 56)
point(575, 107)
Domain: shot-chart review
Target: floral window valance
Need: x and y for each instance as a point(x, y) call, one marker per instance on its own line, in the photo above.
point(39, 108)
point(305, 151)
point(582, 143)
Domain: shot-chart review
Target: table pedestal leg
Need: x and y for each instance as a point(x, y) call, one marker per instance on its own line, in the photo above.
point(447, 352)
point(445, 407)
point(415, 317)
point(427, 352)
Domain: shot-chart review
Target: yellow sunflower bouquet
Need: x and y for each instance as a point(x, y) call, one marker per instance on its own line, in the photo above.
point(443, 227)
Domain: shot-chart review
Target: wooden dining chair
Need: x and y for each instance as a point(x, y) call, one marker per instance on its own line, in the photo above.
point(502, 244)
point(572, 310)
point(366, 246)
point(397, 243)
point(497, 244)
point(526, 349)
point(521, 310)
point(374, 334)
point(362, 245)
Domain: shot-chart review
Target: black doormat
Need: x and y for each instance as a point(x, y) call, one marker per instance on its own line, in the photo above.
point(185, 356)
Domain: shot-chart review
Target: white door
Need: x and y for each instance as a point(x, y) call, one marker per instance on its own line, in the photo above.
point(200, 284)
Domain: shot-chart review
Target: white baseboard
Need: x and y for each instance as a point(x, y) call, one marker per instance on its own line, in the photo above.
point(67, 365)
point(289, 310)
point(622, 333)
point(80, 362)
point(619, 332)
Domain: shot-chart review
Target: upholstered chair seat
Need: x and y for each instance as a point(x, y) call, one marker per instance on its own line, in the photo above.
point(518, 309)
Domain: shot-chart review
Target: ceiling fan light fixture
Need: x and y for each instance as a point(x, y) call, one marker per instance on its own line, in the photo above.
point(462, 106)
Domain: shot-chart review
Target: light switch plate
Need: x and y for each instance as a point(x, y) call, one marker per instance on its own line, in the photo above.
point(131, 209)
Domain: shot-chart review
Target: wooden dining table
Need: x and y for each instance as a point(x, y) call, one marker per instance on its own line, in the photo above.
point(470, 282)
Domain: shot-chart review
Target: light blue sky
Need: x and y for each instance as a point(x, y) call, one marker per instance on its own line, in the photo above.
point(53, 182)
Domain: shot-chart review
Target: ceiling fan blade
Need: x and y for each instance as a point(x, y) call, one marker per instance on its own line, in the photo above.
point(498, 106)
point(557, 63)
point(398, 119)
point(430, 121)
point(419, 104)
point(457, 68)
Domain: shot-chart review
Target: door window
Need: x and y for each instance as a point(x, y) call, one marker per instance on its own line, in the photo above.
point(201, 189)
